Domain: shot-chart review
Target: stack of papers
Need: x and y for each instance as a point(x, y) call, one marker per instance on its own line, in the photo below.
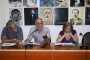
point(8, 44)
point(34, 43)
point(70, 44)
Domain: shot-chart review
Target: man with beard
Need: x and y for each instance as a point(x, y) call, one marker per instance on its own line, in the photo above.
point(40, 33)
point(76, 20)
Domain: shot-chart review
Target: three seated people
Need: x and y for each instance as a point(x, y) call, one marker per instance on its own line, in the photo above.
point(41, 34)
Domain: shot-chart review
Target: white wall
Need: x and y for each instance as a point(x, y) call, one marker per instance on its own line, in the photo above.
point(54, 29)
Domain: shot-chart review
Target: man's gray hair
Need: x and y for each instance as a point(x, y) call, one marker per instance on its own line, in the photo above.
point(10, 22)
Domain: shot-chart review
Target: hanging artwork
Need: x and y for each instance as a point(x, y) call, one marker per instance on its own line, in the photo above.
point(47, 15)
point(16, 15)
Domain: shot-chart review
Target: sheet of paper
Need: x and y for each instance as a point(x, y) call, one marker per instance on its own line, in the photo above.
point(64, 44)
point(34, 43)
point(8, 44)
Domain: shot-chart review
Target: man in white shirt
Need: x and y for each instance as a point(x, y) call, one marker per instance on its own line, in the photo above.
point(40, 33)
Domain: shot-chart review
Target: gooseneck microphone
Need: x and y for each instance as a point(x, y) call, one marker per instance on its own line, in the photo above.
point(33, 32)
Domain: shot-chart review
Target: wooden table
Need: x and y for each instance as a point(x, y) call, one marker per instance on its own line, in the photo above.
point(12, 54)
point(68, 53)
point(48, 53)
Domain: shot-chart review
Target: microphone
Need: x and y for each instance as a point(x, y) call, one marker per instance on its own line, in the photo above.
point(30, 45)
point(32, 33)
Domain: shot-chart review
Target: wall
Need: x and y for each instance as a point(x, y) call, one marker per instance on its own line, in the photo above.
point(54, 29)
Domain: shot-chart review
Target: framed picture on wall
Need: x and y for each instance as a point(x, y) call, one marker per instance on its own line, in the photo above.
point(47, 15)
point(87, 3)
point(61, 16)
point(16, 14)
point(62, 3)
point(46, 3)
point(15, 3)
point(77, 15)
point(77, 3)
point(30, 3)
point(30, 15)
point(87, 16)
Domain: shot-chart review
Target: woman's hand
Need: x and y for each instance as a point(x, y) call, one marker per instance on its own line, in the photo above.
point(67, 36)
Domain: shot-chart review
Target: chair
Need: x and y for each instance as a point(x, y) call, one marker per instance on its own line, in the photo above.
point(86, 41)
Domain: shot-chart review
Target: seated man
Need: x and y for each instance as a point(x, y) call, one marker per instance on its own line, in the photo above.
point(12, 33)
point(40, 33)
point(67, 35)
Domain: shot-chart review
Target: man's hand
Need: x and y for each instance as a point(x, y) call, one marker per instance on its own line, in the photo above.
point(45, 33)
point(16, 40)
point(26, 42)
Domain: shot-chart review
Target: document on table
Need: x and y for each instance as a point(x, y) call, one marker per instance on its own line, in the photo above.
point(34, 43)
point(8, 44)
point(70, 44)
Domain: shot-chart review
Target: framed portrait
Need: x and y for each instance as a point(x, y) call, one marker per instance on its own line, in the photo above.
point(15, 3)
point(46, 3)
point(30, 15)
point(47, 15)
point(62, 3)
point(16, 14)
point(77, 15)
point(77, 3)
point(87, 16)
point(30, 3)
point(61, 16)
point(87, 3)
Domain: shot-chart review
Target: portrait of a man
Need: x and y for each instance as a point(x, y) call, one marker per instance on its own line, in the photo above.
point(87, 2)
point(76, 20)
point(29, 3)
point(87, 16)
point(47, 15)
point(77, 3)
point(61, 3)
point(15, 3)
point(15, 14)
